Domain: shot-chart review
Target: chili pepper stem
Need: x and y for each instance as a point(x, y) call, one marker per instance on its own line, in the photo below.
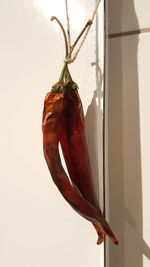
point(68, 25)
point(69, 59)
point(63, 31)
point(65, 74)
point(62, 73)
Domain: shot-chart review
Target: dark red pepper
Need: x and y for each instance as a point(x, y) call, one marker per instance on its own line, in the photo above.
point(74, 147)
point(63, 122)
point(51, 125)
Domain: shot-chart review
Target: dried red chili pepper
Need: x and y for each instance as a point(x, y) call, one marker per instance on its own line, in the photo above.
point(51, 126)
point(55, 108)
point(74, 147)
point(63, 121)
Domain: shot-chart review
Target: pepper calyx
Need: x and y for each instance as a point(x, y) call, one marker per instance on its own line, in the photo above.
point(62, 88)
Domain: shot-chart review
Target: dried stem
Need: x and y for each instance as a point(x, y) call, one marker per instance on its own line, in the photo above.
point(63, 31)
point(68, 26)
point(95, 10)
point(89, 23)
point(68, 46)
point(72, 59)
point(67, 60)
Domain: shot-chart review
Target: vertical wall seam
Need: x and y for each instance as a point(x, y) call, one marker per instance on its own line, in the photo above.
point(104, 125)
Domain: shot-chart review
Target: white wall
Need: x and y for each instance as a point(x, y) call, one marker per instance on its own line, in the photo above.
point(128, 131)
point(37, 227)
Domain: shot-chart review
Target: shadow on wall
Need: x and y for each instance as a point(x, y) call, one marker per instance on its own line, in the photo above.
point(94, 124)
point(124, 155)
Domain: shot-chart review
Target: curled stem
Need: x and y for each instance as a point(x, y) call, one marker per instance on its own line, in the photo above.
point(63, 31)
point(87, 29)
point(68, 58)
point(69, 48)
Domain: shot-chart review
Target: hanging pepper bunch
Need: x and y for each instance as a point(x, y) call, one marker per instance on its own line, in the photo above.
point(63, 122)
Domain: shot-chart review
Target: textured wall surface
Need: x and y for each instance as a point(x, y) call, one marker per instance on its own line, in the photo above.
point(37, 227)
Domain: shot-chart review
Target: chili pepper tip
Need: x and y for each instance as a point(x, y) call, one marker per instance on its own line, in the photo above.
point(116, 242)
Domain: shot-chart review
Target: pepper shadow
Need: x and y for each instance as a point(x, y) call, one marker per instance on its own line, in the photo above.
point(124, 181)
point(94, 126)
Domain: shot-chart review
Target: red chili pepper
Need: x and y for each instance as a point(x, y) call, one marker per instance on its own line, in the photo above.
point(51, 126)
point(74, 147)
point(75, 152)
point(55, 129)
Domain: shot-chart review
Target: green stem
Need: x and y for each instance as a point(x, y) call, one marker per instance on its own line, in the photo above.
point(62, 72)
point(65, 74)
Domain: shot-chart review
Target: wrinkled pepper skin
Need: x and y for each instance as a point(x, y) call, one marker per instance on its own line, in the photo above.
point(74, 147)
point(73, 143)
point(53, 114)
point(51, 125)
